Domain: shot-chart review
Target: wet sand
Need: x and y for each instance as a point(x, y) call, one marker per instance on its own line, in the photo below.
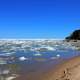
point(67, 70)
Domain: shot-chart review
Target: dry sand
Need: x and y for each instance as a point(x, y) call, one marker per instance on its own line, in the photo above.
point(68, 70)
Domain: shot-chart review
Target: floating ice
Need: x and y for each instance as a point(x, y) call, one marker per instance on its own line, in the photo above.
point(58, 55)
point(9, 53)
point(37, 54)
point(13, 76)
point(55, 57)
point(10, 78)
point(44, 48)
point(50, 48)
point(22, 58)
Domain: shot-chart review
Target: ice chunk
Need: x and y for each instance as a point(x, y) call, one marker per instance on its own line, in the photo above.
point(22, 58)
point(37, 54)
point(58, 55)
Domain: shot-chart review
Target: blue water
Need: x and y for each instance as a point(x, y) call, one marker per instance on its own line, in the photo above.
point(34, 63)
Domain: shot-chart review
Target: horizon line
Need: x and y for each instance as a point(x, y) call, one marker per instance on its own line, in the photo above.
point(31, 39)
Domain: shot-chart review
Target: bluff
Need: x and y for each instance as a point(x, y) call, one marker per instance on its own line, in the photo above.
point(75, 35)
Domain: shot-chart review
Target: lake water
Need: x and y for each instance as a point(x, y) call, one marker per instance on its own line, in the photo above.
point(30, 61)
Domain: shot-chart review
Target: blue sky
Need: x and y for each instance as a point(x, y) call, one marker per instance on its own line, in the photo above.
point(38, 18)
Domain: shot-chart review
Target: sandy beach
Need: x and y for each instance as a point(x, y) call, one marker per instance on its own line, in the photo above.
point(68, 70)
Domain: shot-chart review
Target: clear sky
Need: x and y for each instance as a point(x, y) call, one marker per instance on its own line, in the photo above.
point(38, 18)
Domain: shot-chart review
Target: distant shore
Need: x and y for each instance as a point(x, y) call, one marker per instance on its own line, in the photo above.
point(75, 43)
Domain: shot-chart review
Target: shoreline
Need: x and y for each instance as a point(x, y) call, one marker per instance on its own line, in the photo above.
point(67, 70)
